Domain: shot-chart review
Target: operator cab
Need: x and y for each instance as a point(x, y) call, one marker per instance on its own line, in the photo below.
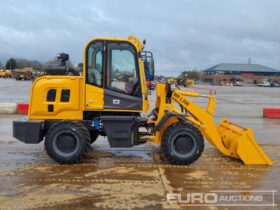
point(113, 71)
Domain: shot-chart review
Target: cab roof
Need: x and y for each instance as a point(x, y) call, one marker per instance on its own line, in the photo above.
point(132, 39)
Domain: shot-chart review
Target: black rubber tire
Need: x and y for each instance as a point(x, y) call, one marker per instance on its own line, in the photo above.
point(74, 131)
point(172, 134)
point(93, 136)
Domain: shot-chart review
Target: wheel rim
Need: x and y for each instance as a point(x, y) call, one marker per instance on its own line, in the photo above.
point(183, 145)
point(66, 143)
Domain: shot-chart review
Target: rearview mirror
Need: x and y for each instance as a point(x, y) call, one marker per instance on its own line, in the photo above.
point(151, 70)
point(149, 65)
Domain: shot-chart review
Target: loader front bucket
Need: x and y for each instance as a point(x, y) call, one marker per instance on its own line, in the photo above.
point(241, 143)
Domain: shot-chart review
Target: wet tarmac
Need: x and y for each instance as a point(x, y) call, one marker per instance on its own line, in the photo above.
point(136, 178)
point(139, 178)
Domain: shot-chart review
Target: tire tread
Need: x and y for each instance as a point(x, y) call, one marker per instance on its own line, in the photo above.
point(165, 145)
point(76, 157)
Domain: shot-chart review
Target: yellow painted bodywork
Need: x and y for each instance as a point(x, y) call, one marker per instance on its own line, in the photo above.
point(241, 143)
point(94, 97)
point(229, 138)
point(72, 110)
point(84, 97)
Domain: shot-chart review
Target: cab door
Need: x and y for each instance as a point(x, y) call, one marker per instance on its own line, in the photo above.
point(123, 86)
point(94, 76)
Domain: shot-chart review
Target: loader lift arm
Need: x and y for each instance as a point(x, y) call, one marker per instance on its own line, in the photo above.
point(229, 138)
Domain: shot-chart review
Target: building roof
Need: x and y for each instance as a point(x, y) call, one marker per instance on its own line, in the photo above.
point(242, 68)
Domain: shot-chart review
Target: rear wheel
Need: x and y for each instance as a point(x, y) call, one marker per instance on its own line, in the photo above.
point(182, 143)
point(67, 142)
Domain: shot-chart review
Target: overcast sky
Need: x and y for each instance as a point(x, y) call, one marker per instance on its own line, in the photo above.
point(181, 34)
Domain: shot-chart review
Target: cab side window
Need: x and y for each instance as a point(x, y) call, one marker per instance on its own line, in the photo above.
point(95, 63)
point(122, 73)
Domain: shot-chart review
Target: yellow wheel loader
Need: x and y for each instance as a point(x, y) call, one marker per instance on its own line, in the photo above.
point(70, 112)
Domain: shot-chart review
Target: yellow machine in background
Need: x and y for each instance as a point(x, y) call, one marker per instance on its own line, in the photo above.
point(184, 82)
point(2, 73)
point(6, 73)
point(70, 112)
point(24, 74)
point(189, 82)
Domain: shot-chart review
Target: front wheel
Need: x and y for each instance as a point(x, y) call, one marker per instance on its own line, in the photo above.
point(67, 142)
point(182, 143)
